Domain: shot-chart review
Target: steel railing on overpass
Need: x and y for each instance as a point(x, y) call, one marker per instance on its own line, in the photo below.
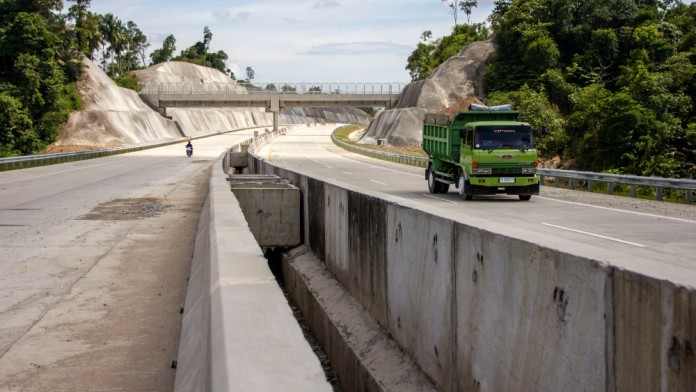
point(390, 88)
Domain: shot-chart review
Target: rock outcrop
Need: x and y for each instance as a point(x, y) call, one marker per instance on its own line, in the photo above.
point(454, 81)
point(112, 115)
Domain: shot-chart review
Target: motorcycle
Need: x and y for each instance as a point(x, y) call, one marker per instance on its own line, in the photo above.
point(189, 151)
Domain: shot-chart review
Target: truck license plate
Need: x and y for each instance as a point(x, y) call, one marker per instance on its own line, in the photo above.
point(507, 180)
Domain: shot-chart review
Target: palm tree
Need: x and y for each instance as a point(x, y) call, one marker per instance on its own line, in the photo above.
point(466, 7)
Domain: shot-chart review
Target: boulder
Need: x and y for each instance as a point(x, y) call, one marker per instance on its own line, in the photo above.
point(459, 79)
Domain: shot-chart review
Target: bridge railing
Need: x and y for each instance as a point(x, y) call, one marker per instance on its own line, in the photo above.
point(392, 88)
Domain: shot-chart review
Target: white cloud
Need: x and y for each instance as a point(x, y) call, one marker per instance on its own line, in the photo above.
point(300, 40)
point(326, 4)
point(358, 48)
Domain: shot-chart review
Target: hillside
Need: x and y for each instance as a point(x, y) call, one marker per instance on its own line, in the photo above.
point(114, 116)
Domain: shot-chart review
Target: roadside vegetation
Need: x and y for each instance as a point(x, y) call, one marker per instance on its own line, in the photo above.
point(613, 81)
point(344, 134)
point(41, 53)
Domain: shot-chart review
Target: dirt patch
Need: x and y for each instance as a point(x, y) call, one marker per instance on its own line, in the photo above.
point(127, 209)
point(461, 106)
point(53, 149)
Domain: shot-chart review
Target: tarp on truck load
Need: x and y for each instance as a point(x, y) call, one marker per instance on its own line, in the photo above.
point(436, 118)
point(496, 108)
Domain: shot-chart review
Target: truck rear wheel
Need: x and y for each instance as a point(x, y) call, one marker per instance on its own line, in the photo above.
point(435, 186)
point(525, 197)
point(432, 184)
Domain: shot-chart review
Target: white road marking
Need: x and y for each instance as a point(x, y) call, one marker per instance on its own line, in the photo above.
point(438, 198)
point(381, 183)
point(68, 171)
point(594, 235)
point(619, 210)
point(345, 172)
point(316, 141)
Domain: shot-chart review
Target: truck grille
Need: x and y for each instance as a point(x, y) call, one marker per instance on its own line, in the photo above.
point(507, 171)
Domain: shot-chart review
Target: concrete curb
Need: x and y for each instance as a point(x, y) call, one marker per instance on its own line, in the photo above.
point(238, 331)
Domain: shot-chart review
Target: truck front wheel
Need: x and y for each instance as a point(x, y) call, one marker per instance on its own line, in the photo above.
point(525, 197)
point(461, 185)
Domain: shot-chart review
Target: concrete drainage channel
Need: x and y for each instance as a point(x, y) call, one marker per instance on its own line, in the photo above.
point(242, 330)
point(271, 206)
point(238, 332)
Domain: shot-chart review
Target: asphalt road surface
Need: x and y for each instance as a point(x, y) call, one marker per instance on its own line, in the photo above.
point(95, 261)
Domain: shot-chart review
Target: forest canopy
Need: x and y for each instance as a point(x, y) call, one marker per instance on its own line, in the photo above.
point(41, 53)
point(613, 81)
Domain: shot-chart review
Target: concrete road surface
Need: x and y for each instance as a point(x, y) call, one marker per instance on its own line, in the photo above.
point(655, 238)
point(95, 258)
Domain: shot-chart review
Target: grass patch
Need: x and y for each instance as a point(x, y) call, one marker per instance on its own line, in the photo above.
point(343, 134)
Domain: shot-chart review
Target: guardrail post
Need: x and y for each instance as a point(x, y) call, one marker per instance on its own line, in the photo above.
point(689, 195)
point(658, 191)
point(610, 188)
point(572, 183)
point(557, 182)
point(633, 191)
point(590, 185)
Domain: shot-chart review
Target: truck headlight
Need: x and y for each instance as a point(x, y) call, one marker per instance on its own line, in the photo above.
point(482, 170)
point(528, 170)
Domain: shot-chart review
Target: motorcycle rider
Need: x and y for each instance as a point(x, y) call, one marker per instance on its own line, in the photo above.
point(189, 147)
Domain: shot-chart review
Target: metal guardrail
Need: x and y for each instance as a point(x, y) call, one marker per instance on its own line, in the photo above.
point(276, 88)
point(27, 161)
point(574, 178)
point(590, 179)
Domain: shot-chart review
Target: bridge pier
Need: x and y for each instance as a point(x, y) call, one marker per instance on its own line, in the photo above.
point(274, 108)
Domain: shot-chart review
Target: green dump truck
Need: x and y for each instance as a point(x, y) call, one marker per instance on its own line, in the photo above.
point(483, 151)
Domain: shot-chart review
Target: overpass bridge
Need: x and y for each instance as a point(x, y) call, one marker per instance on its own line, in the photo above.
point(268, 95)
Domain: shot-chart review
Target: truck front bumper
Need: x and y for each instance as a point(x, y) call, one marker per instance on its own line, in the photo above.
point(495, 185)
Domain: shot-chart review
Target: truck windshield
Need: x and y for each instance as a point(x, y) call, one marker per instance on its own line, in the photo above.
point(503, 136)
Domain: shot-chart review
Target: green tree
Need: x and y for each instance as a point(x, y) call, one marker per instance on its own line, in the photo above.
point(166, 52)
point(546, 120)
point(466, 7)
point(79, 13)
point(38, 67)
point(250, 74)
point(136, 47)
point(428, 55)
point(199, 54)
point(16, 129)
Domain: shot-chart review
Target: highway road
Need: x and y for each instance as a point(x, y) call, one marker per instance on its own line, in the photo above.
point(95, 261)
point(637, 234)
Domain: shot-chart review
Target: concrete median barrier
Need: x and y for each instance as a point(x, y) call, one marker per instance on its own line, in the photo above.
point(238, 331)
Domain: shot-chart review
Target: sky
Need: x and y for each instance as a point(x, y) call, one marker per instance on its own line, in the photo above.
point(294, 41)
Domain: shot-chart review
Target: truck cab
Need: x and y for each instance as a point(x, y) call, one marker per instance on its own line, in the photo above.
point(482, 152)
